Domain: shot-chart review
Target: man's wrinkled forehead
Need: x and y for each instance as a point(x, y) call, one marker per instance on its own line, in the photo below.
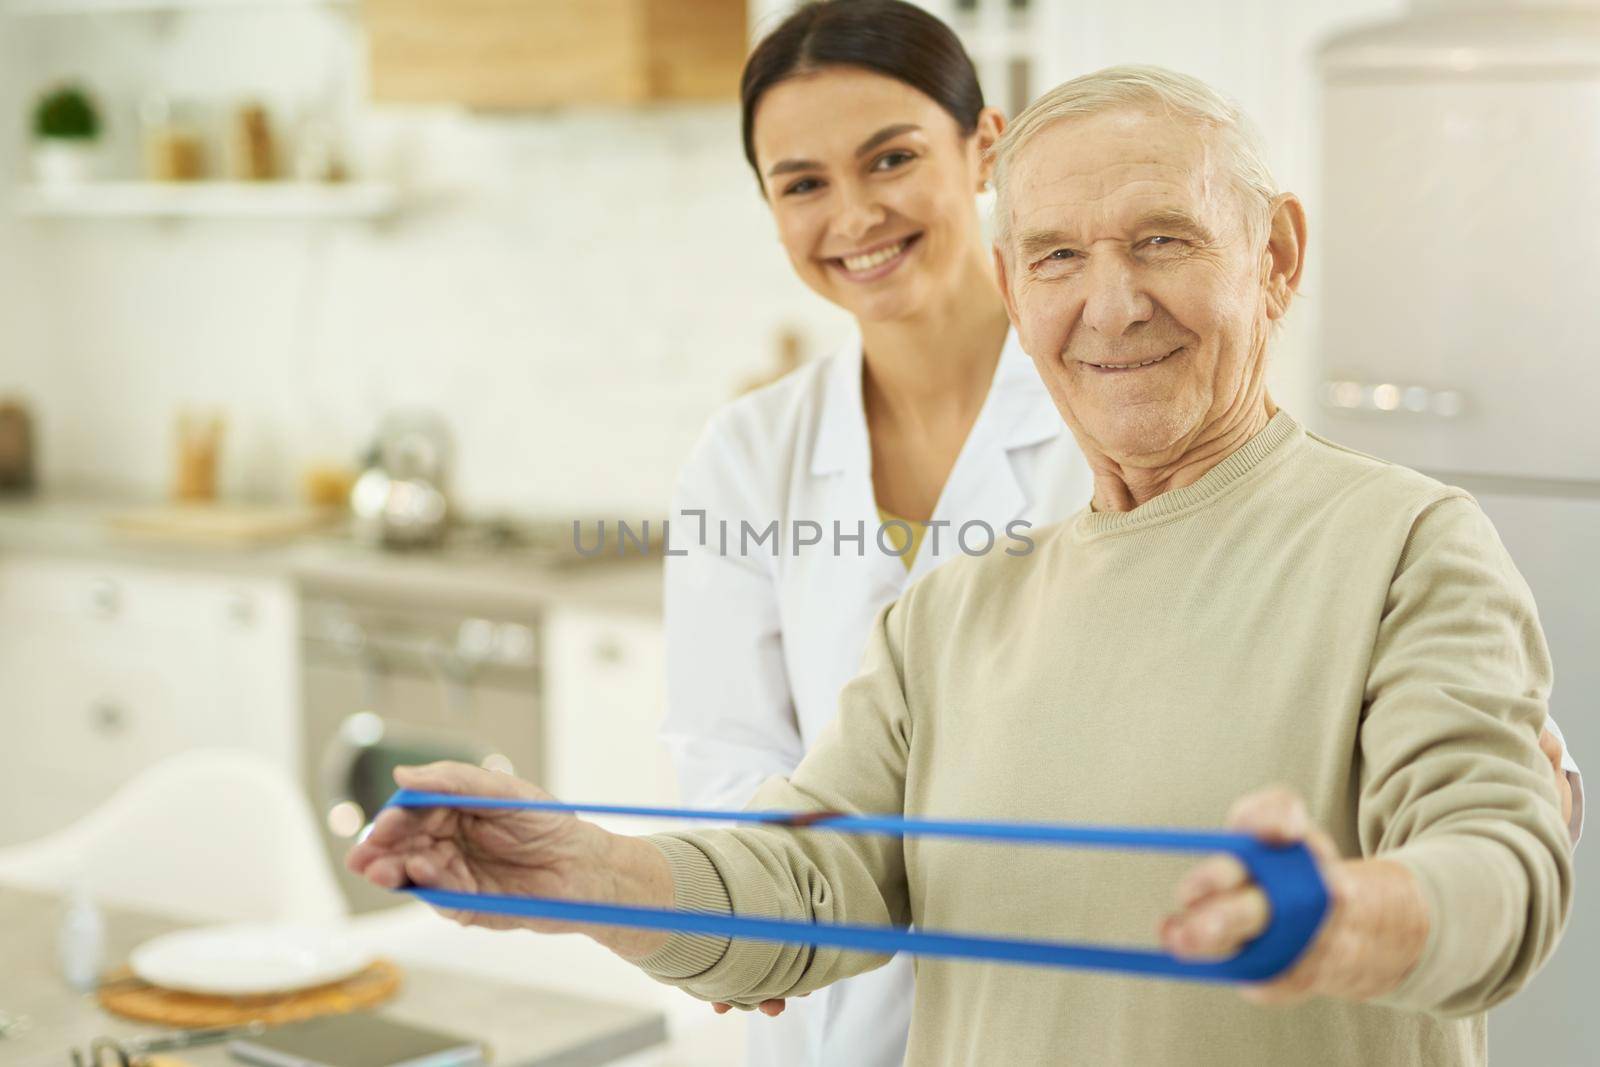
point(1094, 174)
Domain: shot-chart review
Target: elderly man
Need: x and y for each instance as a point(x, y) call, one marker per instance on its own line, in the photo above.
point(1243, 604)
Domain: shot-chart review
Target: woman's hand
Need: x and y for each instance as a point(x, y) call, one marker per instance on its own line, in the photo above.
point(1550, 745)
point(1373, 935)
point(773, 1007)
point(511, 852)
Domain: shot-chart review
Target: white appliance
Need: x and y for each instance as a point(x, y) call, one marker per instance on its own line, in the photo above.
point(1460, 310)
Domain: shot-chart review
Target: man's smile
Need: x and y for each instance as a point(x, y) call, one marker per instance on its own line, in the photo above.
point(1122, 367)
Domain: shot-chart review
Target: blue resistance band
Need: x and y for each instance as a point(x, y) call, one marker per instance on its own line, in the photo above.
point(1287, 874)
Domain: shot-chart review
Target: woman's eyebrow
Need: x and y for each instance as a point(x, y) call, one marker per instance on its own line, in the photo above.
point(789, 165)
point(888, 133)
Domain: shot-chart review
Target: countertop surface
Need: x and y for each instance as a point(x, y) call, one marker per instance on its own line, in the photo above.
point(470, 569)
point(523, 1026)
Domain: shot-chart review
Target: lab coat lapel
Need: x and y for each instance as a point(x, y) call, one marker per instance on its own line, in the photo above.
point(985, 485)
point(841, 468)
point(842, 442)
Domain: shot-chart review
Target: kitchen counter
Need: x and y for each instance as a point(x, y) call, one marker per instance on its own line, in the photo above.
point(524, 1026)
point(331, 561)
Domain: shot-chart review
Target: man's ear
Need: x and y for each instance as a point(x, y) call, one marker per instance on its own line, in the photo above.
point(991, 124)
point(1002, 280)
point(1285, 256)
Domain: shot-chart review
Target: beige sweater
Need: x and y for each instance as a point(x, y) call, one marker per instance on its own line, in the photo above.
point(1304, 615)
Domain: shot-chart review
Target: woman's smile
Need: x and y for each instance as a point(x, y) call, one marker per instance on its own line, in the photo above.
point(875, 262)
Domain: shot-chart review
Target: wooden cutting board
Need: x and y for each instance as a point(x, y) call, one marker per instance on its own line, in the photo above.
point(227, 524)
point(133, 998)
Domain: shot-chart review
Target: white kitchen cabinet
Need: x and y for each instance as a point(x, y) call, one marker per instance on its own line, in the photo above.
point(605, 685)
point(107, 668)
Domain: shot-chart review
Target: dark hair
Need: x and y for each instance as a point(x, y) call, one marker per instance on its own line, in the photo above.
point(889, 37)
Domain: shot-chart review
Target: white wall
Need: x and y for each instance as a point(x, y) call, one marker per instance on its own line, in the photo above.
point(576, 293)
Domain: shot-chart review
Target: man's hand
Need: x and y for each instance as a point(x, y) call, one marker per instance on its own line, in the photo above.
point(1373, 935)
point(1550, 745)
point(512, 852)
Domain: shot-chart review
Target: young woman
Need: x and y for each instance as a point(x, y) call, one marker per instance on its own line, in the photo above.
point(867, 131)
point(868, 134)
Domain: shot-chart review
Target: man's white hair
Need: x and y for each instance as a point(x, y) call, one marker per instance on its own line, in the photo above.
point(1146, 88)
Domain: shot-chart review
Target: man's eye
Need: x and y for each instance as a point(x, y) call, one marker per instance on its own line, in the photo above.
point(1057, 257)
point(891, 160)
point(1160, 240)
point(804, 185)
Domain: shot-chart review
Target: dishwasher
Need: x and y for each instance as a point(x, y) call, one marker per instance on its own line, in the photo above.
point(388, 684)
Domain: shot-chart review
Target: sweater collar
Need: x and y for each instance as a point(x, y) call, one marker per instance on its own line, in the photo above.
point(1280, 433)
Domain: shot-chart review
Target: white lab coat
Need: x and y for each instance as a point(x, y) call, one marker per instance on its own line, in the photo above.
point(758, 646)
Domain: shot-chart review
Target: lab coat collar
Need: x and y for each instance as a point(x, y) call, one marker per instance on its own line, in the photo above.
point(1017, 412)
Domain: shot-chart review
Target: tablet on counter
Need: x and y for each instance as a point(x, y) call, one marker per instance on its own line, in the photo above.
point(361, 1039)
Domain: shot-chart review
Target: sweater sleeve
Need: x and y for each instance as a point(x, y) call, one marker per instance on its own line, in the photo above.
point(1452, 781)
point(858, 765)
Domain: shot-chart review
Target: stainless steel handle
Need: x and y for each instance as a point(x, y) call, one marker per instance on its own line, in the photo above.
point(1344, 394)
point(484, 641)
point(107, 717)
point(354, 641)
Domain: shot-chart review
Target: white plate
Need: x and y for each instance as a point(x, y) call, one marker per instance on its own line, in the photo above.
point(248, 959)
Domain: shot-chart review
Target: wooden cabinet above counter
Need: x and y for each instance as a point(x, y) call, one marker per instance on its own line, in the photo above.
point(505, 55)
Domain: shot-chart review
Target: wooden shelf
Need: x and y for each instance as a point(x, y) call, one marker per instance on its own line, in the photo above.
point(177, 200)
point(34, 8)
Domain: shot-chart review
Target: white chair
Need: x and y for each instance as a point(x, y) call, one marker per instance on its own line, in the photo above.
point(212, 835)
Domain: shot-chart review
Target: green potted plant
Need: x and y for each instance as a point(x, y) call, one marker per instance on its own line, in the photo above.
point(66, 132)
